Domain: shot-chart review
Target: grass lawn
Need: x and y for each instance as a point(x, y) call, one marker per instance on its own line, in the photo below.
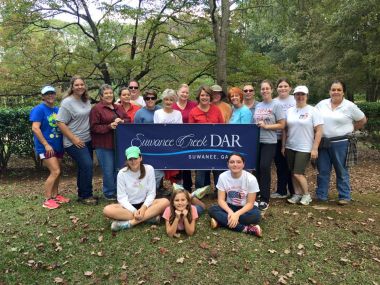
point(317, 244)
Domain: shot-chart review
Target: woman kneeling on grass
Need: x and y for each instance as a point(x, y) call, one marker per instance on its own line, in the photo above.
point(136, 190)
point(236, 207)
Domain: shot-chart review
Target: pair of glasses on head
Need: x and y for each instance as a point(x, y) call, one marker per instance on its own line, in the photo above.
point(133, 87)
point(148, 98)
point(248, 90)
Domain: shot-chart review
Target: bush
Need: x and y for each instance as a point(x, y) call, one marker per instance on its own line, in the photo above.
point(15, 134)
point(372, 111)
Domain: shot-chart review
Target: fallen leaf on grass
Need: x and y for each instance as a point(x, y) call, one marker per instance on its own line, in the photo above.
point(312, 280)
point(301, 253)
point(344, 260)
point(124, 266)
point(300, 246)
point(330, 218)
point(204, 245)
point(141, 282)
point(272, 251)
point(320, 207)
point(180, 260)
point(274, 272)
point(88, 273)
point(100, 254)
point(287, 251)
point(83, 239)
point(155, 239)
point(100, 238)
point(318, 245)
point(214, 253)
point(123, 276)
point(74, 219)
point(371, 220)
point(212, 262)
point(282, 280)
point(376, 259)
point(58, 280)
point(290, 274)
point(163, 250)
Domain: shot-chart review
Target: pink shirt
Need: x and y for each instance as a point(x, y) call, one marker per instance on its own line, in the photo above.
point(185, 112)
point(181, 225)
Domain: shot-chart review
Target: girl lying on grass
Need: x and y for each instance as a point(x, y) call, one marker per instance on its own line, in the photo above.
point(181, 215)
point(136, 192)
point(236, 207)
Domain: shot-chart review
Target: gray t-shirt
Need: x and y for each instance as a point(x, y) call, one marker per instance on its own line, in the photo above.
point(286, 104)
point(270, 113)
point(76, 115)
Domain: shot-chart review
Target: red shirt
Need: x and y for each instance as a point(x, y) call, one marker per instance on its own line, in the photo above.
point(185, 112)
point(131, 111)
point(213, 115)
point(101, 116)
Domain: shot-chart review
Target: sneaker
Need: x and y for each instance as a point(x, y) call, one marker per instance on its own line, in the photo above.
point(61, 200)
point(277, 195)
point(254, 230)
point(110, 198)
point(50, 204)
point(92, 201)
point(213, 223)
point(263, 206)
point(343, 202)
point(295, 199)
point(306, 199)
point(201, 192)
point(154, 221)
point(120, 225)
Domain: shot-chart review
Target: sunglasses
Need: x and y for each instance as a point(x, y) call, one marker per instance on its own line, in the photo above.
point(50, 93)
point(133, 87)
point(150, 98)
point(248, 90)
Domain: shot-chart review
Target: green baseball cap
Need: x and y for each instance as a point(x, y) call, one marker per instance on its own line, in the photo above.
point(132, 152)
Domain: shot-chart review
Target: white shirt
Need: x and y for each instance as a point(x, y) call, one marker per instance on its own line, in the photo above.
point(161, 117)
point(339, 122)
point(139, 101)
point(301, 123)
point(132, 190)
point(237, 189)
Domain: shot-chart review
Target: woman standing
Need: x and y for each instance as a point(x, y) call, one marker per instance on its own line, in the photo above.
point(218, 97)
point(300, 141)
point(128, 107)
point(74, 122)
point(284, 177)
point(240, 113)
point(136, 191)
point(104, 118)
point(236, 207)
point(249, 98)
point(269, 117)
point(184, 105)
point(341, 118)
point(205, 113)
point(48, 145)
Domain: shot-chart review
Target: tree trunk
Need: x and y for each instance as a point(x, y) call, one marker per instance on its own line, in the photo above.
point(220, 28)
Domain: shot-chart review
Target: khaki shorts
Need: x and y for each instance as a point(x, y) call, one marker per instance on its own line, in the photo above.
point(297, 160)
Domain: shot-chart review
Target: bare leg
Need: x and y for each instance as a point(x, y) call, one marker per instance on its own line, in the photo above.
point(301, 183)
point(157, 208)
point(196, 201)
point(117, 212)
point(51, 183)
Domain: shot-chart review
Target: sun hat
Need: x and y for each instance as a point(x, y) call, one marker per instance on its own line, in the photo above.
point(132, 152)
point(301, 89)
point(47, 89)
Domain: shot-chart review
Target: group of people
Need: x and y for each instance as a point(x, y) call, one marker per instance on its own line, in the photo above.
point(292, 133)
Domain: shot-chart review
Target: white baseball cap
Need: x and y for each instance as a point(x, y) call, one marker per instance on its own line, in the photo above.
point(301, 89)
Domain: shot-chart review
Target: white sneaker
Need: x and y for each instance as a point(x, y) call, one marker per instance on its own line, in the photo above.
point(120, 225)
point(295, 199)
point(277, 195)
point(306, 199)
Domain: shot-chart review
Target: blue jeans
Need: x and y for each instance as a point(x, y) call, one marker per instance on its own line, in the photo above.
point(200, 209)
point(284, 177)
point(334, 155)
point(106, 160)
point(83, 159)
point(202, 177)
point(248, 218)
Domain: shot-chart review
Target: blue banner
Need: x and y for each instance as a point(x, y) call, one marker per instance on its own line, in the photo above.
point(188, 146)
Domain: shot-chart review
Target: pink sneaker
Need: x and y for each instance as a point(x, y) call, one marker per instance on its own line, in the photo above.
point(60, 199)
point(50, 204)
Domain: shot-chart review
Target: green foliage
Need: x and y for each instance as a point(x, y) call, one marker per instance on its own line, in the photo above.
point(372, 112)
point(16, 137)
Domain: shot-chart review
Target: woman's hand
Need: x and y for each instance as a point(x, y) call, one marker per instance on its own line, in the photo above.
point(140, 213)
point(78, 142)
point(314, 154)
point(49, 150)
point(261, 124)
point(233, 220)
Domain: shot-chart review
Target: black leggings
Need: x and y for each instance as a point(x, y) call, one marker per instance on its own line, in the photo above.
point(267, 152)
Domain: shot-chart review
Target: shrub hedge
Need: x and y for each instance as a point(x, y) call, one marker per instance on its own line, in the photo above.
point(16, 136)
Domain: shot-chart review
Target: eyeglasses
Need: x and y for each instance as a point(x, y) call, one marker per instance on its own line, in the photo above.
point(150, 98)
point(248, 90)
point(133, 87)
